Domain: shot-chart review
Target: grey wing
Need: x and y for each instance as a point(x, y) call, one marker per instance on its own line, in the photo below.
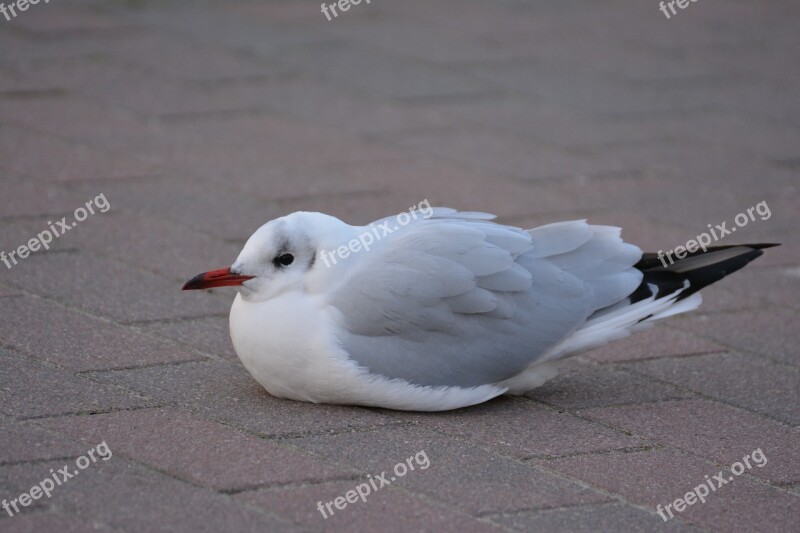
point(456, 300)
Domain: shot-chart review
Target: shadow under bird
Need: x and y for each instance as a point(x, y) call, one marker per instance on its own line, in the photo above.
point(448, 311)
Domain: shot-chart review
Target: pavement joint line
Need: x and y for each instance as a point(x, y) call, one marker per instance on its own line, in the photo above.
point(91, 372)
point(203, 356)
point(615, 451)
point(611, 495)
point(174, 320)
point(700, 395)
point(71, 414)
point(290, 485)
point(656, 446)
point(345, 430)
point(40, 461)
point(33, 94)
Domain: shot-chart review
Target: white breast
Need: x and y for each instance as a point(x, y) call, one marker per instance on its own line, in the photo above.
point(288, 345)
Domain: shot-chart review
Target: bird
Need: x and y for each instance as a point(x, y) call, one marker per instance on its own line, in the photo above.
point(446, 309)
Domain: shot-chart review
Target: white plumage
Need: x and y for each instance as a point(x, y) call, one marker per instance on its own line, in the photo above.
point(445, 312)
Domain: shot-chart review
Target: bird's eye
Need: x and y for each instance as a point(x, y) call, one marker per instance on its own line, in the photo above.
point(284, 260)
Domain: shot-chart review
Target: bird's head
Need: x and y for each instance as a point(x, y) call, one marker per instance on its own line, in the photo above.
point(278, 257)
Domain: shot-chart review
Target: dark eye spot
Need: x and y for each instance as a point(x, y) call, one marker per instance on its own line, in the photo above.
point(283, 260)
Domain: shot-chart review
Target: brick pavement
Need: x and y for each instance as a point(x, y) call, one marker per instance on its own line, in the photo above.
point(200, 121)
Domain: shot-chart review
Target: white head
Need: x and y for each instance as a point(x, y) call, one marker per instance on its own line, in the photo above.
point(280, 256)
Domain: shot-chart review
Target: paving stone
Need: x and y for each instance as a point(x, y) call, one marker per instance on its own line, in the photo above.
point(520, 428)
point(716, 432)
point(23, 197)
point(325, 103)
point(52, 522)
point(747, 381)
point(225, 392)
point(21, 156)
point(86, 123)
point(141, 499)
point(659, 477)
point(585, 518)
point(47, 19)
point(49, 332)
point(24, 441)
point(582, 386)
point(29, 389)
point(659, 341)
point(418, 513)
point(383, 73)
point(96, 286)
point(444, 183)
point(132, 88)
point(777, 338)
point(8, 291)
point(199, 451)
point(187, 60)
point(163, 247)
point(459, 474)
point(208, 335)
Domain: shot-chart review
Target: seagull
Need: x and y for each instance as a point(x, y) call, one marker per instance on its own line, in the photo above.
point(445, 310)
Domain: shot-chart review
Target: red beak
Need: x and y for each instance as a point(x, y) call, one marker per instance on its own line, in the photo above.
point(215, 278)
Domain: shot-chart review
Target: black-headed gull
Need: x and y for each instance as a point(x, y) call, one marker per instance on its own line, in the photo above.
point(447, 311)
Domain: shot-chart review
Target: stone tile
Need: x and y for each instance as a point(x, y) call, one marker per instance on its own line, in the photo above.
point(122, 495)
point(196, 450)
point(583, 386)
point(747, 381)
point(24, 441)
point(768, 332)
point(85, 123)
point(21, 155)
point(522, 429)
point(659, 477)
point(160, 246)
point(188, 60)
point(109, 288)
point(324, 102)
point(718, 433)
point(459, 474)
point(416, 513)
point(591, 518)
point(451, 184)
point(208, 335)
point(132, 88)
point(660, 341)
point(47, 331)
point(55, 19)
point(25, 523)
point(29, 389)
point(505, 155)
point(8, 291)
point(225, 392)
point(383, 73)
point(21, 197)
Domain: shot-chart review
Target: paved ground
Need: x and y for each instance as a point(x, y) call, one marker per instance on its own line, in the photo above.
point(198, 122)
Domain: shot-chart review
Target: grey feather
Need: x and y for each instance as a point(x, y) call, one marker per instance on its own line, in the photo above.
point(456, 300)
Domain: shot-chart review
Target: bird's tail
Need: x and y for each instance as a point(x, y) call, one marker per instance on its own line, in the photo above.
point(667, 289)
